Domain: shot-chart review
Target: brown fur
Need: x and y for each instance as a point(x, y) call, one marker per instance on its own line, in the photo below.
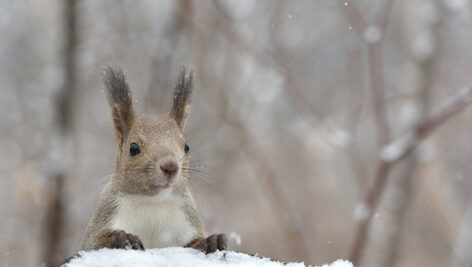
point(160, 140)
point(119, 99)
point(182, 98)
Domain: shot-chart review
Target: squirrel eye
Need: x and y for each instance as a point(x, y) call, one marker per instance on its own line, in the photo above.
point(186, 148)
point(134, 149)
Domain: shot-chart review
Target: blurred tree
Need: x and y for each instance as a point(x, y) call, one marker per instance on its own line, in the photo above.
point(64, 112)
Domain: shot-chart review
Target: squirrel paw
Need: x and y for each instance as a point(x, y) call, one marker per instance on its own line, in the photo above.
point(212, 243)
point(121, 239)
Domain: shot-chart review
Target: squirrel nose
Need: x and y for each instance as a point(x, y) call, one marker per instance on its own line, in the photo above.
point(169, 169)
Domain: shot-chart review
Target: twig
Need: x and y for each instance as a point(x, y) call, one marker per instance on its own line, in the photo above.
point(292, 234)
point(373, 36)
point(374, 46)
point(402, 147)
point(405, 146)
point(238, 39)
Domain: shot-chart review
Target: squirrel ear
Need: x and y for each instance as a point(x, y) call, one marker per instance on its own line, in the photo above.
point(182, 98)
point(119, 99)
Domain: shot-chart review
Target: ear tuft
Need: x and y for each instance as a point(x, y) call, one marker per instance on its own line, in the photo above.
point(182, 98)
point(120, 101)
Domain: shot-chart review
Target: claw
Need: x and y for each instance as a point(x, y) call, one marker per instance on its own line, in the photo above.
point(121, 239)
point(212, 243)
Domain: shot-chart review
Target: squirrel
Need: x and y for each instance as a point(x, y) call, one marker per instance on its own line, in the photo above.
point(147, 202)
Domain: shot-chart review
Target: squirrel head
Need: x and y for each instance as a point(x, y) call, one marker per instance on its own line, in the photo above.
point(152, 156)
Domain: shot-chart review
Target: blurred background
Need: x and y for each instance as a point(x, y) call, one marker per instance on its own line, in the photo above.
point(296, 104)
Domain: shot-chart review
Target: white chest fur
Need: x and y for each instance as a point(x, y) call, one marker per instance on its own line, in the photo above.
point(158, 223)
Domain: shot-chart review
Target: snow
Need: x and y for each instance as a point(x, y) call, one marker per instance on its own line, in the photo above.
point(341, 139)
point(372, 34)
point(392, 152)
point(178, 257)
point(236, 237)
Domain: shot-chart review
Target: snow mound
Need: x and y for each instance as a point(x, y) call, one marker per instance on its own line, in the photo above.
point(178, 257)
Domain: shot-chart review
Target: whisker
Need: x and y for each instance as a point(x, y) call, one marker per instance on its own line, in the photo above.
point(198, 180)
point(199, 175)
point(194, 170)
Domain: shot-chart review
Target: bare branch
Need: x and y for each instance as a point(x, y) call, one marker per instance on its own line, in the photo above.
point(292, 233)
point(377, 85)
point(230, 32)
point(407, 144)
point(402, 147)
point(369, 205)
point(373, 37)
